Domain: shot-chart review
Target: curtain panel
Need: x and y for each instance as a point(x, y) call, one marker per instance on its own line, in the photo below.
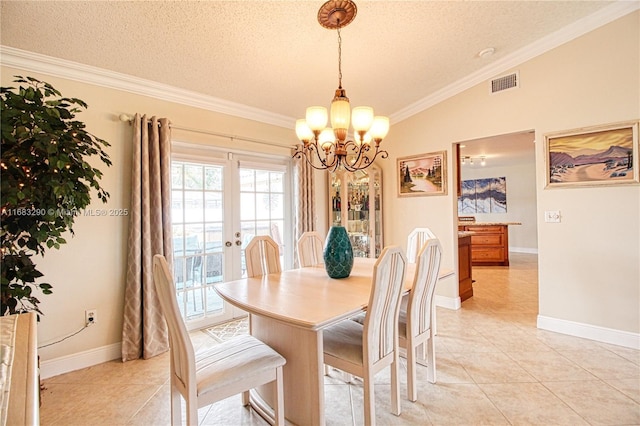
point(305, 212)
point(144, 332)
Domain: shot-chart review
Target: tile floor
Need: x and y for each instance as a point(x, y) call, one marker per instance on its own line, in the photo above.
point(493, 368)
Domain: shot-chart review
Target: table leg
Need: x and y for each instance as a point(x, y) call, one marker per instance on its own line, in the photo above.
point(303, 372)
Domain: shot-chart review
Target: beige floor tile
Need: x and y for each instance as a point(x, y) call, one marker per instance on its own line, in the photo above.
point(494, 367)
point(550, 366)
point(604, 364)
point(460, 404)
point(629, 387)
point(597, 402)
point(531, 404)
point(338, 409)
point(93, 404)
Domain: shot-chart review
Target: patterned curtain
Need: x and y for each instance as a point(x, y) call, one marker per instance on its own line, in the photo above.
point(144, 332)
point(304, 190)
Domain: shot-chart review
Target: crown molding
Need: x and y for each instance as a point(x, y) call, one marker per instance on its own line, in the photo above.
point(36, 62)
point(570, 32)
point(56, 67)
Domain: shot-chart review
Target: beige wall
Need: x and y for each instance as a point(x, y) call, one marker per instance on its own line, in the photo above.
point(88, 272)
point(588, 269)
point(589, 263)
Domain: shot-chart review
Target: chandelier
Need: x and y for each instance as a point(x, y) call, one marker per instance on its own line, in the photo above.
point(328, 148)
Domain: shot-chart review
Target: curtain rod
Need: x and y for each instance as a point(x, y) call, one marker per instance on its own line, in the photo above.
point(129, 119)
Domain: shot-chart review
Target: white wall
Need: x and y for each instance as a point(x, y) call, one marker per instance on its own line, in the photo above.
point(521, 202)
point(589, 274)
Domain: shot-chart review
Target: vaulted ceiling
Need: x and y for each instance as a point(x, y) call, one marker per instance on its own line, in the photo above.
point(397, 56)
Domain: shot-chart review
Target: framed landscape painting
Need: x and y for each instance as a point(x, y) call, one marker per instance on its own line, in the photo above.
point(423, 174)
point(603, 155)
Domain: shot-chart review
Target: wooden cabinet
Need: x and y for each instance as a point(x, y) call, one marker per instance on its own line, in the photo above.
point(465, 279)
point(355, 200)
point(490, 244)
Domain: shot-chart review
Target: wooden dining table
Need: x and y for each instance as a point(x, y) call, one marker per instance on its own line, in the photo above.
point(288, 311)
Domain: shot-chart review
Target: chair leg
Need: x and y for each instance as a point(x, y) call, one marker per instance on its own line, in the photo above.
point(412, 388)
point(369, 400)
point(176, 408)
point(192, 411)
point(431, 359)
point(279, 394)
point(395, 384)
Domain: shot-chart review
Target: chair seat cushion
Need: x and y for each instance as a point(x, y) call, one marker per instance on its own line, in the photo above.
point(233, 361)
point(344, 341)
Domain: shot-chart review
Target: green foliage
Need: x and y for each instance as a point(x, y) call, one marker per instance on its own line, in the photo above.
point(45, 180)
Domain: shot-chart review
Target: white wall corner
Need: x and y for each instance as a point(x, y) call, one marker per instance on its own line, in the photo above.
point(453, 303)
point(588, 331)
point(77, 361)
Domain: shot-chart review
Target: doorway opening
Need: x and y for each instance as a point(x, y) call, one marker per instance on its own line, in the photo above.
point(495, 181)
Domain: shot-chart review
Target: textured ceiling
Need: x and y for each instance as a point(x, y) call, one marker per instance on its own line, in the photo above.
point(273, 55)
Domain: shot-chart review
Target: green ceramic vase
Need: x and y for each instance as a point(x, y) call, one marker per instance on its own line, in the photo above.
point(338, 253)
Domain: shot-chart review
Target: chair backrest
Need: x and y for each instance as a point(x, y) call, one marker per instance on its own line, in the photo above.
point(420, 311)
point(381, 320)
point(182, 355)
point(310, 249)
point(262, 256)
point(416, 240)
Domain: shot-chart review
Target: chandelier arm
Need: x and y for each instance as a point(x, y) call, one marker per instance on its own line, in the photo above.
point(300, 153)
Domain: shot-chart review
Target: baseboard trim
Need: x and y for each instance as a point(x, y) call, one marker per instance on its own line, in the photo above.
point(453, 303)
point(523, 250)
point(588, 331)
point(68, 363)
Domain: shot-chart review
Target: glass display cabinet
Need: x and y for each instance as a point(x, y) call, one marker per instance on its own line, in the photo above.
point(355, 202)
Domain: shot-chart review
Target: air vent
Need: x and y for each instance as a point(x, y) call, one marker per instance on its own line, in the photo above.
point(505, 82)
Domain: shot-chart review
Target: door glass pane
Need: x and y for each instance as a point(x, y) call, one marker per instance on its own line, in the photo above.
point(262, 207)
point(197, 226)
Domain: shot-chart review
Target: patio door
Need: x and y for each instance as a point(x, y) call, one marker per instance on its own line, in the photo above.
point(219, 202)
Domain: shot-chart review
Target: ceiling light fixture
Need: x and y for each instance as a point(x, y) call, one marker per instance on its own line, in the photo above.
point(483, 161)
point(329, 145)
point(485, 53)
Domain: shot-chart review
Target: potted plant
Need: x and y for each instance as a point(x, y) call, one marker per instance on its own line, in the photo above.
point(46, 181)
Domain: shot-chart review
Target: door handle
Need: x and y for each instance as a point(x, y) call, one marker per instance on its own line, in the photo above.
point(238, 242)
point(228, 244)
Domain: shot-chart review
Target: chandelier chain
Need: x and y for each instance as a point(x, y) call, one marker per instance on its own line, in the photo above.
point(339, 57)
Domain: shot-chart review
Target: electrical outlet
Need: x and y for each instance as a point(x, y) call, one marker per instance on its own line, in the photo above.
point(90, 317)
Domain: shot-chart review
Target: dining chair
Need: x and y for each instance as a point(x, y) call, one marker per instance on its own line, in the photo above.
point(262, 256)
point(417, 319)
point(365, 349)
point(416, 240)
point(231, 367)
point(310, 249)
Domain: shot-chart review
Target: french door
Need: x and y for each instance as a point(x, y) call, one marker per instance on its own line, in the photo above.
point(219, 202)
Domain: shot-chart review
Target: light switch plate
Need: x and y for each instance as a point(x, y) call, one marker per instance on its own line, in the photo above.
point(552, 216)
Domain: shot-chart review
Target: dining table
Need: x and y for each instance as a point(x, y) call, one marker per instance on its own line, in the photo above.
point(288, 311)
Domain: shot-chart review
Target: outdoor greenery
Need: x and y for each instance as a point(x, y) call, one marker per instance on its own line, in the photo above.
point(46, 180)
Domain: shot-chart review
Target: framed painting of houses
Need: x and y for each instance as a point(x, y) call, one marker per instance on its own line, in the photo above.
point(593, 156)
point(423, 174)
